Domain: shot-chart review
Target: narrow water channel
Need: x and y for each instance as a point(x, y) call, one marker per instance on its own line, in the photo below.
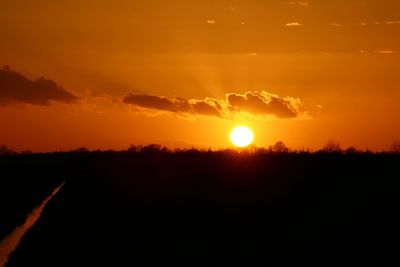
point(11, 242)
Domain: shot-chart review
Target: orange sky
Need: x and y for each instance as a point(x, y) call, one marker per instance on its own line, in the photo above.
point(184, 73)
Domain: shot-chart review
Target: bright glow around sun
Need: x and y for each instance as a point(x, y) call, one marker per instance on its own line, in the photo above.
point(241, 136)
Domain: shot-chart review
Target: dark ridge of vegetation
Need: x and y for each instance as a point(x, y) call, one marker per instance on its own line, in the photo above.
point(331, 147)
point(152, 206)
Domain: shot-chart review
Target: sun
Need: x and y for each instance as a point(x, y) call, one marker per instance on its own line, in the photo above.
point(241, 136)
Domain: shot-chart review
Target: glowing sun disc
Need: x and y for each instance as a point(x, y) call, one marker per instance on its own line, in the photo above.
point(241, 136)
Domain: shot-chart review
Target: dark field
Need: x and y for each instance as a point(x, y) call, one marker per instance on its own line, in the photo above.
point(157, 208)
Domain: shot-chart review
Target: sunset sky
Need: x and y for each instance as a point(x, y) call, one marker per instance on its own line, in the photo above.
point(107, 74)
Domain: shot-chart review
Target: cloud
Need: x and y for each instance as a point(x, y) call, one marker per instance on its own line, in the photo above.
point(210, 21)
point(392, 22)
point(207, 107)
point(16, 88)
point(262, 103)
point(298, 3)
point(254, 103)
point(293, 24)
point(388, 52)
point(335, 24)
point(152, 102)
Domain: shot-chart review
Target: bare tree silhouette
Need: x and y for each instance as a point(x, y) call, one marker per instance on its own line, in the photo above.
point(279, 147)
point(135, 148)
point(395, 147)
point(332, 147)
point(5, 151)
point(80, 150)
point(352, 150)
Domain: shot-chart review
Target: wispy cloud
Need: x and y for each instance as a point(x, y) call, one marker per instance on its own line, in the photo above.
point(299, 3)
point(335, 24)
point(253, 102)
point(211, 21)
point(384, 51)
point(392, 22)
point(293, 24)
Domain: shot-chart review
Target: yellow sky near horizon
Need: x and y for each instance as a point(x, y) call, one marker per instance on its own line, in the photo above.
point(340, 59)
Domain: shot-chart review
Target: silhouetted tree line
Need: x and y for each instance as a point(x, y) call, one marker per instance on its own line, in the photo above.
point(331, 147)
point(5, 151)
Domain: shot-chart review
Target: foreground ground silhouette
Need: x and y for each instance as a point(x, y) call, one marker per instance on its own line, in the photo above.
point(157, 208)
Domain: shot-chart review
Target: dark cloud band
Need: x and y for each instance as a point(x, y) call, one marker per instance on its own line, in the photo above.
point(261, 103)
point(15, 87)
point(255, 103)
point(205, 107)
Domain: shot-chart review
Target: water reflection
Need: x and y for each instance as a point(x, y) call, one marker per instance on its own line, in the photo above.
point(10, 243)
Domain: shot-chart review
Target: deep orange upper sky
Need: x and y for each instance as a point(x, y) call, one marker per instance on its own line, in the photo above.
point(106, 74)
